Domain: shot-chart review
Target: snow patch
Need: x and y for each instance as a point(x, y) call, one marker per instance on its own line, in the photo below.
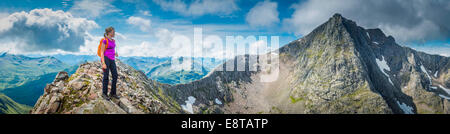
point(189, 103)
point(406, 109)
point(382, 64)
point(435, 74)
point(375, 42)
point(218, 101)
point(425, 71)
point(433, 87)
point(368, 34)
point(445, 97)
point(445, 89)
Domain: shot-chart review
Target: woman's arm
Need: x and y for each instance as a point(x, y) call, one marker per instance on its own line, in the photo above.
point(103, 53)
point(117, 55)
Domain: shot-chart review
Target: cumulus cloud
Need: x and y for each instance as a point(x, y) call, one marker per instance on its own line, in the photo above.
point(199, 7)
point(171, 43)
point(161, 47)
point(145, 12)
point(93, 8)
point(143, 24)
point(90, 45)
point(120, 36)
point(263, 14)
point(44, 30)
point(2, 14)
point(406, 20)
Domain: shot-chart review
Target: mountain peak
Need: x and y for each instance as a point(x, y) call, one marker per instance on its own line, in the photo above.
point(337, 17)
point(337, 24)
point(340, 20)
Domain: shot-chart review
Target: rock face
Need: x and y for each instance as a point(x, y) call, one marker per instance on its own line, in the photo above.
point(81, 93)
point(337, 68)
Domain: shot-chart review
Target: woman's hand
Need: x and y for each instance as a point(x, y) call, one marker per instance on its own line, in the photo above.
point(104, 66)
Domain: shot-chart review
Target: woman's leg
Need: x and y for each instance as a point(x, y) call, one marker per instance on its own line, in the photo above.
point(114, 77)
point(106, 76)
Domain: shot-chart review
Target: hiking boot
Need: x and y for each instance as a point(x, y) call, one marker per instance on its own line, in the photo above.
point(106, 97)
point(115, 96)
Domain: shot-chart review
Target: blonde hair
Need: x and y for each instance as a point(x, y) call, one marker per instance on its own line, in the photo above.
point(108, 30)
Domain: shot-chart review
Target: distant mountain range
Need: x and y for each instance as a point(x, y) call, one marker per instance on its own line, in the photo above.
point(8, 106)
point(23, 77)
point(157, 68)
point(166, 70)
point(29, 92)
point(15, 70)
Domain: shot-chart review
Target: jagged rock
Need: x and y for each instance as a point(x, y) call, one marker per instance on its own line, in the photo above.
point(53, 107)
point(126, 105)
point(47, 88)
point(76, 84)
point(61, 76)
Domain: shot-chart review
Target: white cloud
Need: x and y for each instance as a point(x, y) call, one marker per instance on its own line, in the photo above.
point(44, 30)
point(263, 14)
point(90, 46)
point(258, 46)
point(199, 7)
point(143, 24)
point(312, 13)
point(415, 20)
point(3, 15)
point(147, 48)
point(164, 46)
point(145, 13)
point(65, 3)
point(120, 36)
point(93, 8)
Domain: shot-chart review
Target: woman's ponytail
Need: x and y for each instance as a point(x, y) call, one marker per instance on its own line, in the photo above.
point(107, 31)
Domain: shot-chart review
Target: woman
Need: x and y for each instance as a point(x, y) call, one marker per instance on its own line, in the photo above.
point(108, 63)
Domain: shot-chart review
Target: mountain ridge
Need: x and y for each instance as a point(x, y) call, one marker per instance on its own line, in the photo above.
point(365, 51)
point(9, 106)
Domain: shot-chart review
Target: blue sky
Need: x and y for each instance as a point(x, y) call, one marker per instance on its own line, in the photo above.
point(146, 27)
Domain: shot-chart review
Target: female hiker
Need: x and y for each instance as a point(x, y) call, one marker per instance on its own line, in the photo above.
point(108, 45)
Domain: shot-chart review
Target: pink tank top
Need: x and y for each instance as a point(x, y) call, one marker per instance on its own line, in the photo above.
point(110, 52)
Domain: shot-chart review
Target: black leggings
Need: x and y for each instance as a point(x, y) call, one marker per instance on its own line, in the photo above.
point(110, 65)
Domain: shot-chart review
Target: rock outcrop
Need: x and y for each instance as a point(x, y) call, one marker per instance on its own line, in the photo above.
point(81, 93)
